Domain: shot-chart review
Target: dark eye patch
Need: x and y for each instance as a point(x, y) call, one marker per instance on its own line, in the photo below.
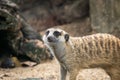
point(56, 33)
point(47, 32)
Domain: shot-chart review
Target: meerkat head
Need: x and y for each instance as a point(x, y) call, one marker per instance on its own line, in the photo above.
point(54, 35)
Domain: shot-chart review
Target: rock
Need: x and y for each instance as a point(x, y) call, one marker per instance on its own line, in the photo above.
point(7, 63)
point(93, 74)
point(105, 16)
point(16, 36)
point(44, 14)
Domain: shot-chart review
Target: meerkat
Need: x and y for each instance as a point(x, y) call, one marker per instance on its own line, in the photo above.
point(75, 53)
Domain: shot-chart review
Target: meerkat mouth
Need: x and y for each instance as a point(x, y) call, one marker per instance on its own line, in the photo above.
point(52, 40)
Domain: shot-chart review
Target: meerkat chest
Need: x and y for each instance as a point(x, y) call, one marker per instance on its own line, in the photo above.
point(60, 52)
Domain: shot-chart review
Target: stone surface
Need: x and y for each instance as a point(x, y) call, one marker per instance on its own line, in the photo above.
point(17, 37)
point(48, 13)
point(105, 16)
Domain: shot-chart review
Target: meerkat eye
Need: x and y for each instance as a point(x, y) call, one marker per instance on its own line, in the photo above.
point(56, 33)
point(47, 33)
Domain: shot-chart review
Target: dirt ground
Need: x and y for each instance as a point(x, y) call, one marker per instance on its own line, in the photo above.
point(49, 71)
point(45, 71)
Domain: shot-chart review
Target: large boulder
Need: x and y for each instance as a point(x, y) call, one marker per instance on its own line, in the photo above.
point(17, 37)
point(43, 14)
point(105, 16)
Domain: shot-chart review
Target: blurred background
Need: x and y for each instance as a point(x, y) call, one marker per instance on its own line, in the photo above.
point(49, 13)
point(78, 17)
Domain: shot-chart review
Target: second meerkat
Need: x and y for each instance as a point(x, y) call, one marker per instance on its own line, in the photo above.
point(75, 53)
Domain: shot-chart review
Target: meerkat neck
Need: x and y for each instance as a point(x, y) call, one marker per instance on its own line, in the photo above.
point(70, 43)
point(59, 51)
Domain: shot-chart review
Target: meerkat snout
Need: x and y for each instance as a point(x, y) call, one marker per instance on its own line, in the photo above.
point(50, 39)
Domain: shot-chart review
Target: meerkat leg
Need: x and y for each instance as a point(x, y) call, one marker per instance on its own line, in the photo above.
point(114, 73)
point(73, 75)
point(63, 73)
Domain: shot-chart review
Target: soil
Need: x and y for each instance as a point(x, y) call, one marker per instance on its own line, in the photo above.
point(49, 71)
point(46, 71)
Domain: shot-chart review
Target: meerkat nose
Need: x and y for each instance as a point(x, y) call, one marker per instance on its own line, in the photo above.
point(50, 39)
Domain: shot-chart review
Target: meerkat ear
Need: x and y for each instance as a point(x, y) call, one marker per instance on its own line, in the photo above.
point(66, 37)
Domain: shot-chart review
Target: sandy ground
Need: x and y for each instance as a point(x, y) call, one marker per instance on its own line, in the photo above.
point(44, 71)
point(48, 71)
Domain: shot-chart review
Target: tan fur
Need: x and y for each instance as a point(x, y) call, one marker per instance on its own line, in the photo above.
point(98, 50)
